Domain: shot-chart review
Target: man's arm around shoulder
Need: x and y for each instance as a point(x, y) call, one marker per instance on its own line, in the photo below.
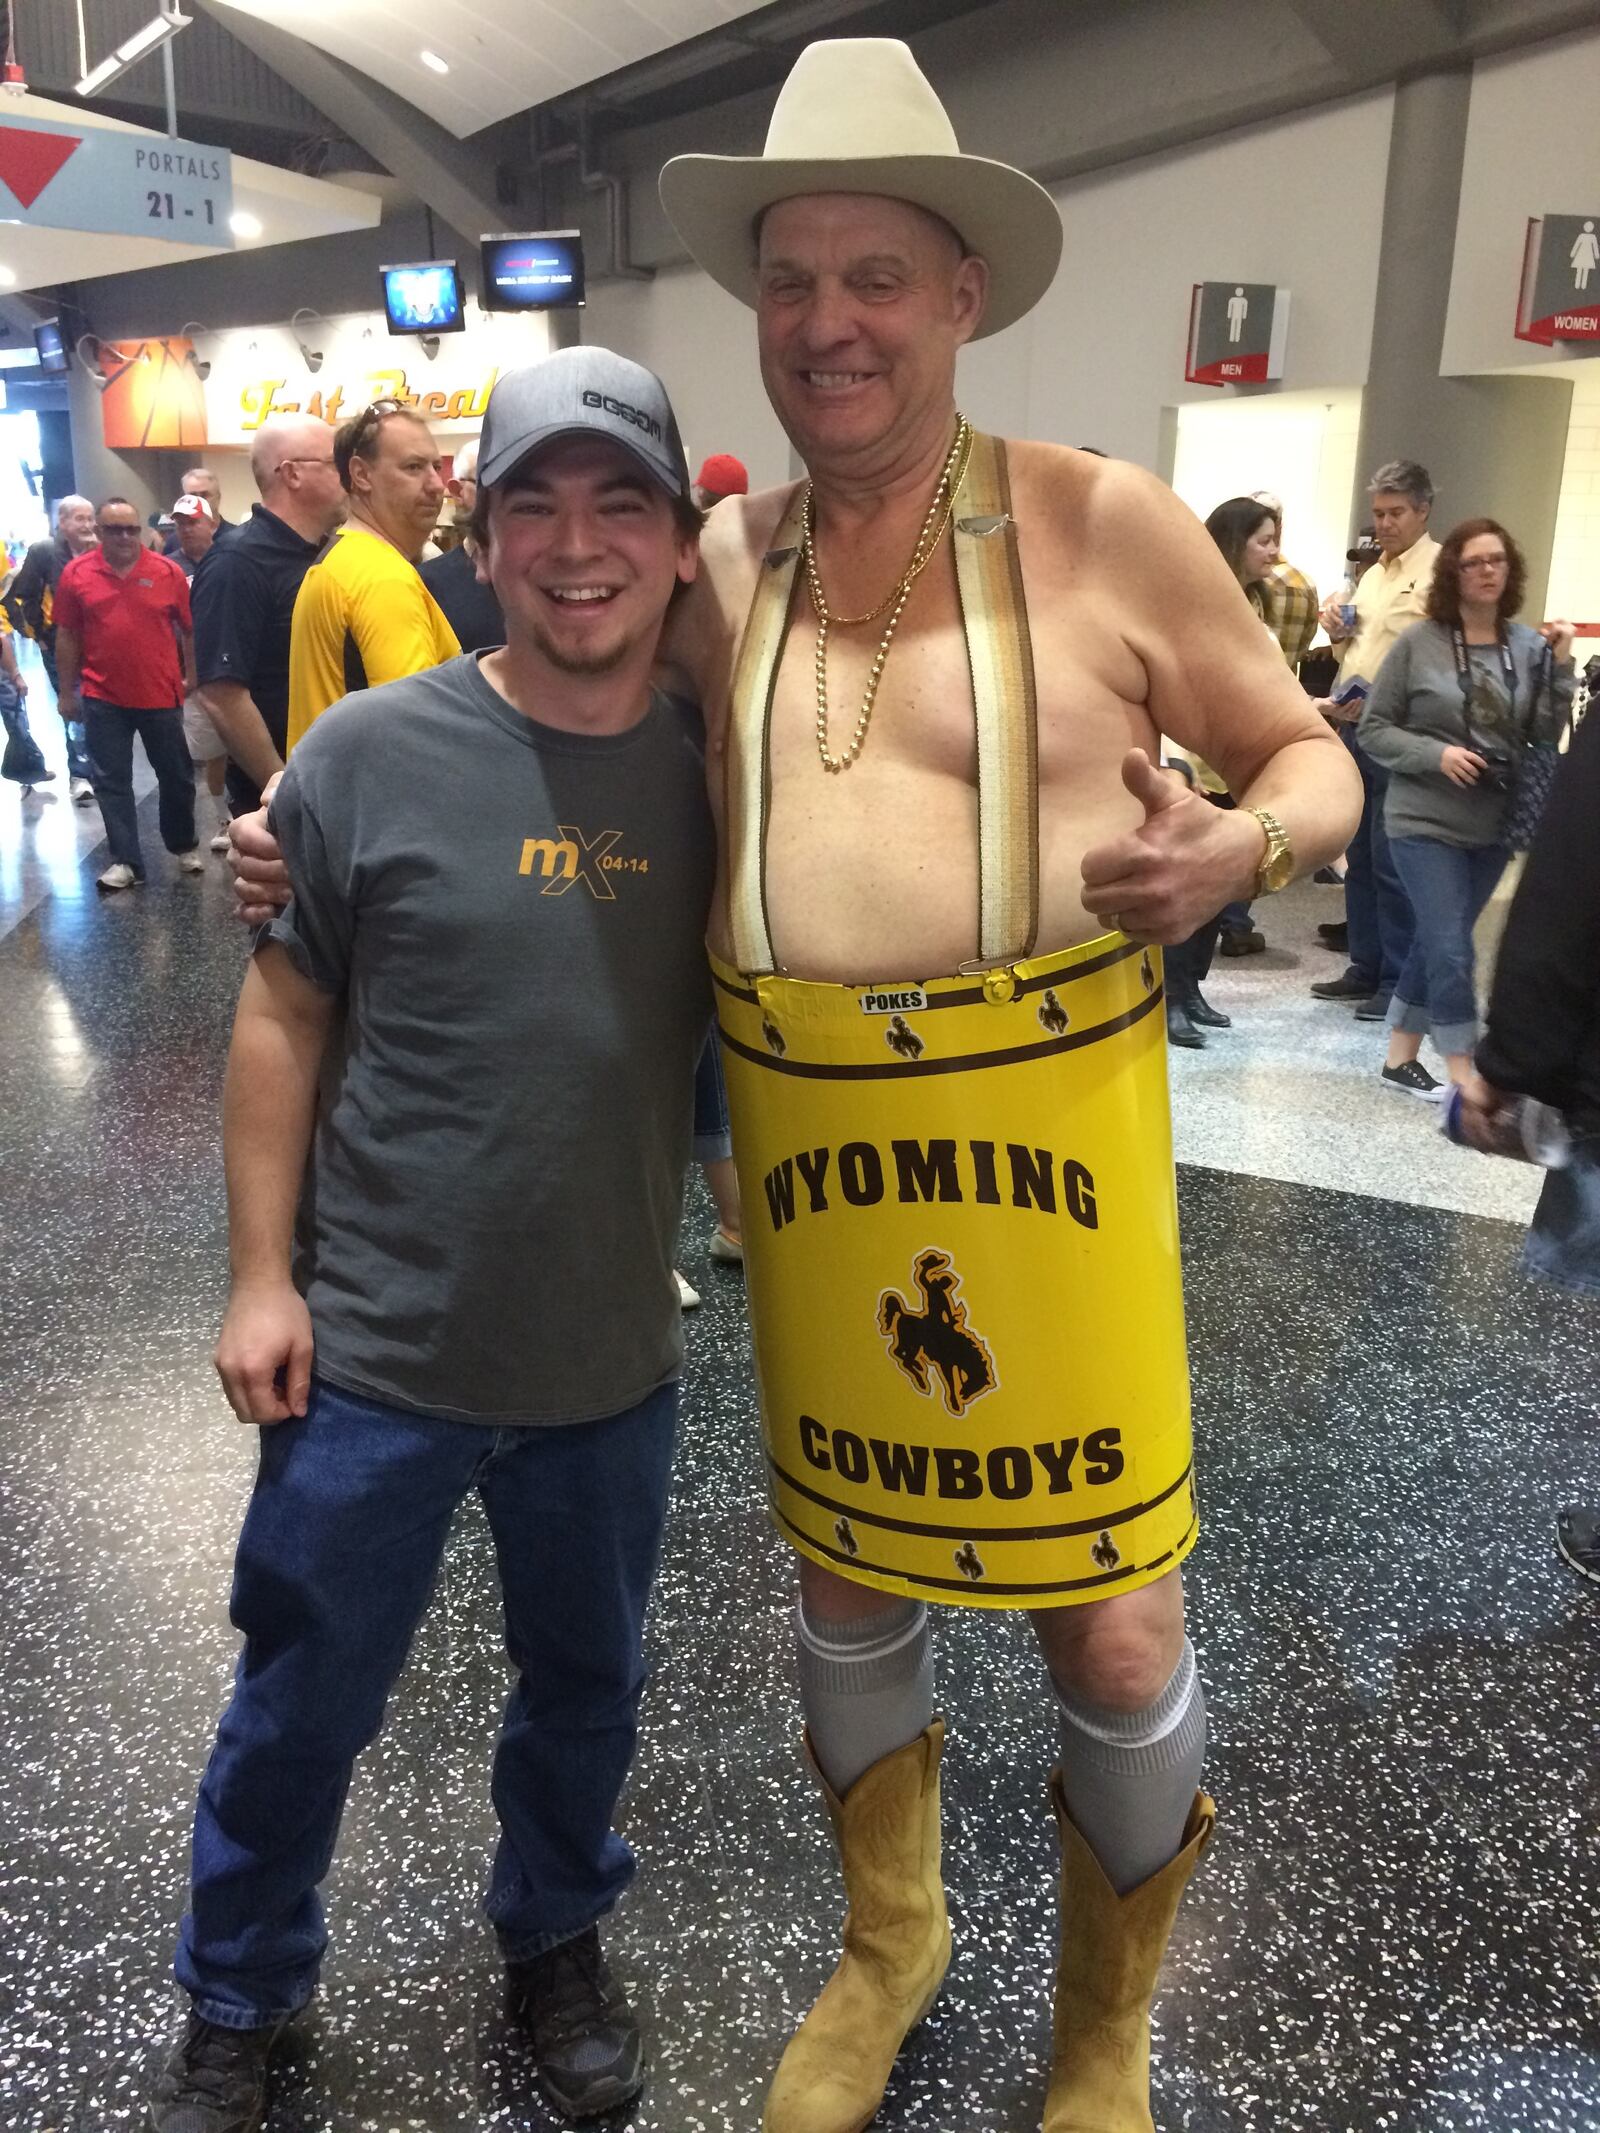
point(268, 1112)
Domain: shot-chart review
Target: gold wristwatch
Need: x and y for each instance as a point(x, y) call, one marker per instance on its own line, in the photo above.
point(1277, 866)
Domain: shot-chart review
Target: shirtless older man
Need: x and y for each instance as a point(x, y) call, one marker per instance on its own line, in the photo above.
point(935, 680)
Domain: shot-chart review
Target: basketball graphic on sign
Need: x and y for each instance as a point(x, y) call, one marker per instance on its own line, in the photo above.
point(154, 395)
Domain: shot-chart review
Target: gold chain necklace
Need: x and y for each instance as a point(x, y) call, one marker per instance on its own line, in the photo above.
point(933, 526)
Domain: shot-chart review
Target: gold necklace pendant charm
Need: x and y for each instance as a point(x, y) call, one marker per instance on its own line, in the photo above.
point(938, 518)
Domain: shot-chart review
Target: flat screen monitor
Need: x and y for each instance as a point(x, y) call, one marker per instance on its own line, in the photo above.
point(424, 298)
point(51, 348)
point(539, 272)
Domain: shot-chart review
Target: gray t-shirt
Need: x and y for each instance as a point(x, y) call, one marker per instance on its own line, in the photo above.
point(515, 919)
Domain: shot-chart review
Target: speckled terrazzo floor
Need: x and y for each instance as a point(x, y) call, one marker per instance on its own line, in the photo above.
point(1395, 1930)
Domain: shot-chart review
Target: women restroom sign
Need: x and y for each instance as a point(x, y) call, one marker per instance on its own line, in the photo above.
point(1238, 331)
point(1559, 299)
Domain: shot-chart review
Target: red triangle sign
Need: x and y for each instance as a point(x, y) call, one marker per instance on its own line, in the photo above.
point(29, 160)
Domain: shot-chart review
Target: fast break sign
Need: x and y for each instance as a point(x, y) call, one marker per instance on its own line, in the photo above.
point(115, 184)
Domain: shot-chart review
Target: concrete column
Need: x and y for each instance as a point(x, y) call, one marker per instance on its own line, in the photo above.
point(1494, 445)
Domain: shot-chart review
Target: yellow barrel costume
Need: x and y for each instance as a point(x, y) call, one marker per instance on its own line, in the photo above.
point(960, 1218)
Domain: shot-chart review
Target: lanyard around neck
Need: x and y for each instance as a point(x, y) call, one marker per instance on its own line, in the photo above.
point(1508, 665)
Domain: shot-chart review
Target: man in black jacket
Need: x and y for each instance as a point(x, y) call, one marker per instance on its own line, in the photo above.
point(1543, 1041)
point(30, 603)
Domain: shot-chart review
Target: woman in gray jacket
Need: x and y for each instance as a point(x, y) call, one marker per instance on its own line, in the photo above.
point(1455, 707)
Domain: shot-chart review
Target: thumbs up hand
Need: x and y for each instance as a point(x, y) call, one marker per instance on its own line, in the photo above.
point(1178, 868)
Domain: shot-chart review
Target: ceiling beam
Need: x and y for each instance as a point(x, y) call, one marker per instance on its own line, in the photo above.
point(1361, 34)
point(456, 180)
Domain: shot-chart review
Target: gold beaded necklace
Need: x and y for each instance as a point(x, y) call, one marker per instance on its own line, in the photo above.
point(933, 526)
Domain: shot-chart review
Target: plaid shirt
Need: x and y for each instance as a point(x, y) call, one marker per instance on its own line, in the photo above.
point(1289, 608)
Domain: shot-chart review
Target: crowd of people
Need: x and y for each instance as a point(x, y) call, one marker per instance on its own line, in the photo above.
point(1454, 712)
point(484, 883)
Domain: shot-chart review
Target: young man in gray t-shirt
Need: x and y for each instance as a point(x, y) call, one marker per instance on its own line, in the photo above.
point(494, 966)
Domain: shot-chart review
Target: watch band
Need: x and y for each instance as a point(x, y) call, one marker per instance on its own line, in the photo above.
point(1277, 862)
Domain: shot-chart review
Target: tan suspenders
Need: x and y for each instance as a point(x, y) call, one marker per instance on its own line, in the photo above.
point(1000, 660)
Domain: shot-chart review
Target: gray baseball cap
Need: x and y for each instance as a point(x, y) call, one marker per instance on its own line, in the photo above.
point(587, 392)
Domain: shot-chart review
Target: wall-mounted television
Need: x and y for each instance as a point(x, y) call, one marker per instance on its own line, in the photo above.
point(542, 271)
point(52, 350)
point(424, 297)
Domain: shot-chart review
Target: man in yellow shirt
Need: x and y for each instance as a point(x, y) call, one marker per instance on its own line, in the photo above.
point(1390, 597)
point(363, 615)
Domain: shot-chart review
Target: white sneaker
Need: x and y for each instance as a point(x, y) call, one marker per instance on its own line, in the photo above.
point(687, 1297)
point(119, 875)
point(82, 792)
point(191, 862)
point(221, 841)
point(725, 1248)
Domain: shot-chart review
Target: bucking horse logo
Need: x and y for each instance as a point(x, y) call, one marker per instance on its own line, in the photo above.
point(937, 1336)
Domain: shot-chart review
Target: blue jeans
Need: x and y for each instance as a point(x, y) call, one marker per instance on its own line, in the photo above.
point(1448, 887)
point(336, 1565)
point(713, 1142)
point(80, 764)
point(111, 728)
point(1376, 906)
point(1564, 1243)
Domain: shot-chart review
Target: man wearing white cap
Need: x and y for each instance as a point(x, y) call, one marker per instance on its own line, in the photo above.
point(941, 668)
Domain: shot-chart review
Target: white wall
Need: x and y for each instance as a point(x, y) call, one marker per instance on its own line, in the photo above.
point(1298, 203)
point(1533, 148)
point(701, 342)
point(1302, 447)
point(1575, 559)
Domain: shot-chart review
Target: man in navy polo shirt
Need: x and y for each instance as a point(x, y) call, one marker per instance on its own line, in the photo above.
point(244, 595)
point(125, 653)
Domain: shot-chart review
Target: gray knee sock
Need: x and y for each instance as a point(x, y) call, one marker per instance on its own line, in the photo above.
point(866, 1687)
point(1130, 1776)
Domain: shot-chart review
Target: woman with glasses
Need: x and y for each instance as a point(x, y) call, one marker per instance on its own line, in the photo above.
point(1458, 703)
point(1247, 533)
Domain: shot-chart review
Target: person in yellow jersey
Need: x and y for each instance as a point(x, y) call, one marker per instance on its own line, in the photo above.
point(363, 615)
point(935, 675)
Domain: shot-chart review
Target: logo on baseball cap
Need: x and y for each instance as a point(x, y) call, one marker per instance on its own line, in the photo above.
point(582, 392)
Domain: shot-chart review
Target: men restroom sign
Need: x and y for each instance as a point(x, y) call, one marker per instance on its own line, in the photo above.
point(1238, 331)
point(1559, 299)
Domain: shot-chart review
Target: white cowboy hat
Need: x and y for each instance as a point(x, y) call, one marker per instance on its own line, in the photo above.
point(857, 115)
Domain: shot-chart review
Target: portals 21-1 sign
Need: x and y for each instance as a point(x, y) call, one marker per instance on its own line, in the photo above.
point(1559, 299)
point(1238, 332)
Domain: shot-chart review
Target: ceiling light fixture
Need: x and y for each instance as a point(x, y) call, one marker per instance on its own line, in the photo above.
point(200, 366)
point(434, 63)
point(243, 224)
point(312, 357)
point(8, 278)
point(94, 361)
point(149, 37)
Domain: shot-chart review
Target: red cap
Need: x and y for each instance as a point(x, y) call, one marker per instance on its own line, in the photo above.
point(191, 507)
point(723, 475)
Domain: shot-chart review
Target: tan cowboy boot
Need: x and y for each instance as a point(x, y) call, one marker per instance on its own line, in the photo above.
point(896, 1946)
point(1111, 1950)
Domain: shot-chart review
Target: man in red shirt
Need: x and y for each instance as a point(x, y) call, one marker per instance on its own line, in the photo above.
point(125, 652)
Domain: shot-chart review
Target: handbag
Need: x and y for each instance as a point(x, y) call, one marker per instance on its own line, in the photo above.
point(1531, 773)
point(1536, 772)
point(23, 762)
